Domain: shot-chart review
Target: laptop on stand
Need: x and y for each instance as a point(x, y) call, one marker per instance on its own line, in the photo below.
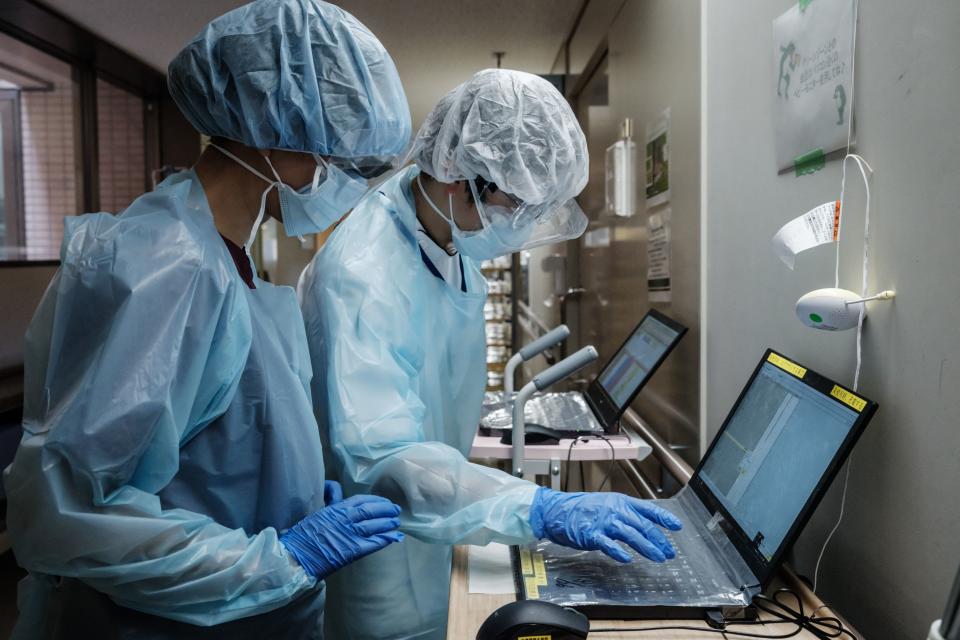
point(599, 409)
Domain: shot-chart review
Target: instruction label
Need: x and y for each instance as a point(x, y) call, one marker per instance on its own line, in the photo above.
point(812, 82)
point(658, 257)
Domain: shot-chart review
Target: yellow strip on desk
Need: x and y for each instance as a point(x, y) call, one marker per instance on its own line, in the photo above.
point(532, 588)
point(539, 569)
point(525, 565)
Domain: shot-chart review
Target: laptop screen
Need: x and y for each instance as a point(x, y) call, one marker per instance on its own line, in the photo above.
point(775, 448)
point(629, 369)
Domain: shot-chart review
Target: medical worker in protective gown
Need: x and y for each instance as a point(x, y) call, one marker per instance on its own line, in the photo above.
point(170, 479)
point(394, 311)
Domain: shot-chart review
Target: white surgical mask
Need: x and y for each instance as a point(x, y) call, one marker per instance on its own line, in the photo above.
point(499, 237)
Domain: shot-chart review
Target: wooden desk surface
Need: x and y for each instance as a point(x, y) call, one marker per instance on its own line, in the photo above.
point(468, 611)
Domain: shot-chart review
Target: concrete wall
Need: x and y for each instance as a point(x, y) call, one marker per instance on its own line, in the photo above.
point(891, 563)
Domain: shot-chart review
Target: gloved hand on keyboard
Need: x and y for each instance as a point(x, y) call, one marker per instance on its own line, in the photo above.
point(598, 521)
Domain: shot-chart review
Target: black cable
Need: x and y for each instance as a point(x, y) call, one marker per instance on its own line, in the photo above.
point(613, 461)
point(565, 485)
point(824, 628)
point(566, 474)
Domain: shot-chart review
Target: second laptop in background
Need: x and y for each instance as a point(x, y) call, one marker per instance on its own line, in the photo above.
point(599, 409)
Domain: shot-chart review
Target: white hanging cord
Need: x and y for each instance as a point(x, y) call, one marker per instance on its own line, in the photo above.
point(864, 167)
point(843, 180)
point(843, 504)
point(836, 275)
point(861, 163)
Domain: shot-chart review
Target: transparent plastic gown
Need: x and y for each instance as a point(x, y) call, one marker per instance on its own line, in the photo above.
point(168, 435)
point(399, 361)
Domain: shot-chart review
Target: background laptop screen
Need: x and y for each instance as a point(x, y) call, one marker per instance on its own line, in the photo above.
point(772, 453)
point(630, 367)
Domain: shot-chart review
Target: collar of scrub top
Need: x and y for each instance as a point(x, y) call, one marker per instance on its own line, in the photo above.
point(436, 272)
point(430, 264)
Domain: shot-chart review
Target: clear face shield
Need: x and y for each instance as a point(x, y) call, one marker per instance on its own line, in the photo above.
point(516, 225)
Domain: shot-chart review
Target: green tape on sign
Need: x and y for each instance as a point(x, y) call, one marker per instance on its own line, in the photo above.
point(803, 5)
point(809, 162)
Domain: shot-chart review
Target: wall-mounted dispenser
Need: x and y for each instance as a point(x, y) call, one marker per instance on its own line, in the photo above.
point(621, 167)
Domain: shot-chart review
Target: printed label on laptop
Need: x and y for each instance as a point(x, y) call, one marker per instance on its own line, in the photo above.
point(786, 365)
point(853, 401)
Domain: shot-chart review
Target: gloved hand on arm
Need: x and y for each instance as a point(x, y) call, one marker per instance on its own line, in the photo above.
point(342, 532)
point(597, 521)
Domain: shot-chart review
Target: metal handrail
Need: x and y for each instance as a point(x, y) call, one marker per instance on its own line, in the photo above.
point(528, 327)
point(530, 315)
point(673, 463)
point(637, 479)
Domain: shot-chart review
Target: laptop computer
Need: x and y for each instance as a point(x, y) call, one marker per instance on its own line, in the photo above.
point(599, 409)
point(762, 477)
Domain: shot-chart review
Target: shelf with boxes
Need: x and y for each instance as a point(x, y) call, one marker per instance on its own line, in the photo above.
point(498, 314)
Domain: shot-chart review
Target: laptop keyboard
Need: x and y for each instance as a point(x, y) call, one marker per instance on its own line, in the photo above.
point(574, 577)
point(560, 411)
point(674, 579)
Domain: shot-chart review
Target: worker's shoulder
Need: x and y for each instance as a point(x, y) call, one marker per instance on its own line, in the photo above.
point(156, 237)
point(373, 239)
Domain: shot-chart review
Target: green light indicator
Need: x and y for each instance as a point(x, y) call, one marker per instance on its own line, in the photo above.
point(815, 317)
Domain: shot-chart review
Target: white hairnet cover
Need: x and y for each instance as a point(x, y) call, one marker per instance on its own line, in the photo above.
point(301, 75)
point(508, 127)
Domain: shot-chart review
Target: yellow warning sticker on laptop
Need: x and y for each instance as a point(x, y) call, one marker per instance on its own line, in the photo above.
point(786, 365)
point(539, 569)
point(855, 402)
point(525, 565)
point(535, 638)
point(532, 589)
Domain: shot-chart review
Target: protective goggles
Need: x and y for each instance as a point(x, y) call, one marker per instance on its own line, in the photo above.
point(523, 225)
point(365, 168)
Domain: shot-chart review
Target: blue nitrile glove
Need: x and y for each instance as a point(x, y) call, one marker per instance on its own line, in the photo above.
point(343, 531)
point(332, 492)
point(596, 521)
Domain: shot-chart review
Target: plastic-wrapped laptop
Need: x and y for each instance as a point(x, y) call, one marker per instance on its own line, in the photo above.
point(597, 411)
point(755, 488)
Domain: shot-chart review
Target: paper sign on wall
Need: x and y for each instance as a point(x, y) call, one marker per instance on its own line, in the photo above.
point(813, 64)
point(658, 160)
point(815, 227)
point(658, 257)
